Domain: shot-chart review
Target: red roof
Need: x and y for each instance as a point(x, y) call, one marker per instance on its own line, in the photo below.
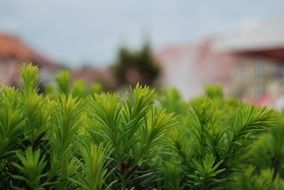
point(12, 47)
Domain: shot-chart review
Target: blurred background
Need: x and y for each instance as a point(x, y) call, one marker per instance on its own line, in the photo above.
point(237, 44)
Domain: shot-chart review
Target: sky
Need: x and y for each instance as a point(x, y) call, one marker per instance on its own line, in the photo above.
point(91, 31)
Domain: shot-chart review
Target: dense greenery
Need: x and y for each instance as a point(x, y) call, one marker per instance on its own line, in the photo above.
point(72, 137)
point(138, 66)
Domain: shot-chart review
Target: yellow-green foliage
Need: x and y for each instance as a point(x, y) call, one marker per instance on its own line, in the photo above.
point(76, 137)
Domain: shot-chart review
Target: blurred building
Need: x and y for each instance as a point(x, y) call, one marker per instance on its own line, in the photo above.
point(92, 75)
point(191, 67)
point(14, 52)
point(248, 62)
point(258, 56)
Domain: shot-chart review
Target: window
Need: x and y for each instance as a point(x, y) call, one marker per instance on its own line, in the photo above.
point(259, 67)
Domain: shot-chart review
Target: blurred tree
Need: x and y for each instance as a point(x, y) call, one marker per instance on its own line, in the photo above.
point(132, 67)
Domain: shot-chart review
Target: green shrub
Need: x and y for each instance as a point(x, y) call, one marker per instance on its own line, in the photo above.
point(72, 137)
point(213, 140)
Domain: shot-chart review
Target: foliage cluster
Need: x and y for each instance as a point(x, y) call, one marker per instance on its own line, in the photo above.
point(138, 66)
point(71, 137)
